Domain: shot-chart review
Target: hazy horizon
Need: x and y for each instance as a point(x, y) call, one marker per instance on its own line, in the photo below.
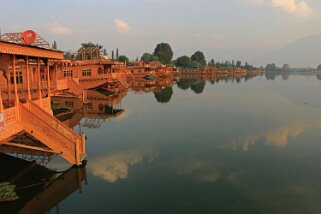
point(233, 29)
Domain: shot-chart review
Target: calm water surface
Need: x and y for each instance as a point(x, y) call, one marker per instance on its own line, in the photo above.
point(207, 147)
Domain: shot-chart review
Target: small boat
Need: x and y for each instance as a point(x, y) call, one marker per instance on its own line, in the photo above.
point(149, 77)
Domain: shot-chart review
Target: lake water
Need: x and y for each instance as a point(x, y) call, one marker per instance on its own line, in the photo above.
point(221, 146)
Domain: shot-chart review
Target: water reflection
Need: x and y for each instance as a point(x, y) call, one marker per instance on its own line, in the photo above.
point(193, 161)
point(164, 95)
point(115, 166)
point(36, 189)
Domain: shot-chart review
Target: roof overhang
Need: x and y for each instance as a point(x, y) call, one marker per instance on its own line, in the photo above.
point(27, 50)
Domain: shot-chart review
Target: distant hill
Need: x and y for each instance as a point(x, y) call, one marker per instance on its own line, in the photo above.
point(304, 52)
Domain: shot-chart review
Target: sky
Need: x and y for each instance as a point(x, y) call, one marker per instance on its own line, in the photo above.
point(222, 29)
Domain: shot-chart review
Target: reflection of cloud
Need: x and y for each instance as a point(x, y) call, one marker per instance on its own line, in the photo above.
point(114, 166)
point(201, 170)
point(278, 137)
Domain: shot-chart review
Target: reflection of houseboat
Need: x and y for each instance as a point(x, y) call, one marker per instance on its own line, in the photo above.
point(98, 109)
point(35, 188)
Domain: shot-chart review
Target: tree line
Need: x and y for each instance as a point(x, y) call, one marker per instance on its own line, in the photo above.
point(164, 53)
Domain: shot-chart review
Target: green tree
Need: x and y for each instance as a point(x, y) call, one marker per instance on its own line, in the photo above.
point(54, 45)
point(113, 55)
point(199, 57)
point(271, 67)
point(124, 59)
point(164, 53)
point(319, 68)
point(286, 68)
point(238, 64)
point(117, 54)
point(183, 61)
point(147, 57)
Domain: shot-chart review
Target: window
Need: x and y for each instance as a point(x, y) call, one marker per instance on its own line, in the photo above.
point(69, 104)
point(100, 70)
point(86, 72)
point(43, 76)
point(19, 78)
point(68, 73)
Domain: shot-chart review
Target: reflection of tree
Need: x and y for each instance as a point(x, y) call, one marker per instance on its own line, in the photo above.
point(285, 75)
point(164, 95)
point(198, 86)
point(185, 83)
point(319, 76)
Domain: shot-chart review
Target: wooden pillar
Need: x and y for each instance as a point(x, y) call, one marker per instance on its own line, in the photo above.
point(56, 70)
point(64, 73)
point(9, 86)
point(28, 77)
point(1, 104)
point(48, 80)
point(15, 80)
point(39, 81)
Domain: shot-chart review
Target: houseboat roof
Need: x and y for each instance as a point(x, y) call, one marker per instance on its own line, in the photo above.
point(99, 62)
point(27, 50)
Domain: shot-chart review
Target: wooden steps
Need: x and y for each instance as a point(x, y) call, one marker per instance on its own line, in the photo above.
point(51, 132)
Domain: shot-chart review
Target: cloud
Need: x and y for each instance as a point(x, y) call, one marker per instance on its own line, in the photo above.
point(115, 166)
point(297, 8)
point(122, 26)
point(58, 29)
point(301, 9)
point(259, 2)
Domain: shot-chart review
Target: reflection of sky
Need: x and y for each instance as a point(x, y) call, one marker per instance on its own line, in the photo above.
point(114, 166)
point(199, 141)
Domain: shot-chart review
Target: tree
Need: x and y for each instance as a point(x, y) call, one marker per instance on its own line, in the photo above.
point(147, 57)
point(271, 67)
point(286, 68)
point(69, 56)
point(117, 54)
point(184, 61)
point(105, 52)
point(238, 64)
point(164, 53)
point(124, 59)
point(319, 68)
point(199, 57)
point(113, 55)
point(54, 45)
point(211, 62)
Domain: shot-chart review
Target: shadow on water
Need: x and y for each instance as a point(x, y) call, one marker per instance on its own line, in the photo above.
point(27, 187)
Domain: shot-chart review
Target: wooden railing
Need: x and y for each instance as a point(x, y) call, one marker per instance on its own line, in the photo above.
point(61, 84)
point(74, 87)
point(10, 116)
point(53, 133)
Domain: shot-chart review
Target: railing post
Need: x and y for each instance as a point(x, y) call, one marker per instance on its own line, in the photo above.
point(39, 81)
point(48, 79)
point(28, 77)
point(1, 104)
point(15, 79)
point(77, 148)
